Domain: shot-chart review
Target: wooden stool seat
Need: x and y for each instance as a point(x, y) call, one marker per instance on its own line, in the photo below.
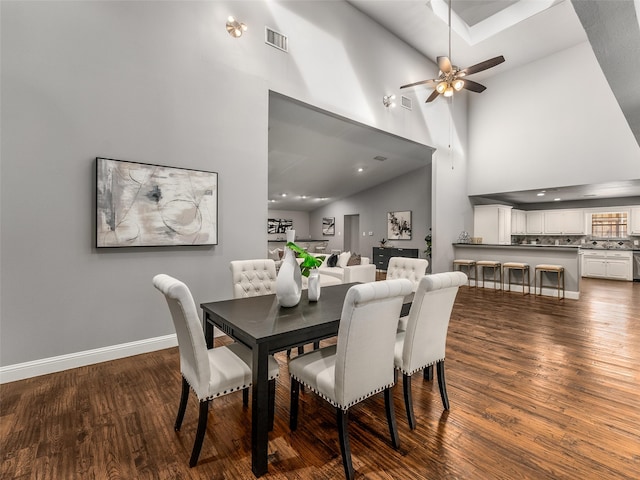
point(557, 269)
point(463, 262)
point(495, 265)
point(524, 267)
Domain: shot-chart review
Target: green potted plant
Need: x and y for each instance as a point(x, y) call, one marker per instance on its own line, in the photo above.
point(427, 251)
point(309, 262)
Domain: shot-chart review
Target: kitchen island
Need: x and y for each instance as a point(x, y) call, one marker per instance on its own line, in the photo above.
point(565, 255)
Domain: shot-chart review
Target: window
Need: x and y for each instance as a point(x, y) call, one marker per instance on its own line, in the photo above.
point(609, 225)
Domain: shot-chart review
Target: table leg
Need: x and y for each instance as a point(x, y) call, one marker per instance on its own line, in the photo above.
point(208, 330)
point(260, 411)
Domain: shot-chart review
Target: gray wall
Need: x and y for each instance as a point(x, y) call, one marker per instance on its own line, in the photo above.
point(411, 191)
point(159, 82)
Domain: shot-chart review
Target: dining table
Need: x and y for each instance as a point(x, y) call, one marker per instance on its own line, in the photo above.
point(266, 328)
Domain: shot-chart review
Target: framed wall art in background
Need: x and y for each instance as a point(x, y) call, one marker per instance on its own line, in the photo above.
point(328, 225)
point(145, 205)
point(279, 225)
point(399, 225)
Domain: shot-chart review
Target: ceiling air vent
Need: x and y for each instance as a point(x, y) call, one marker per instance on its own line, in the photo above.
point(406, 102)
point(276, 39)
point(380, 158)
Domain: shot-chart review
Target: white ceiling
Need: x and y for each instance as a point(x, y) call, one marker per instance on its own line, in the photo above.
point(515, 29)
point(317, 155)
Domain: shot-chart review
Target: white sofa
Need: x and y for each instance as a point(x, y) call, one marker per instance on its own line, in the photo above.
point(364, 273)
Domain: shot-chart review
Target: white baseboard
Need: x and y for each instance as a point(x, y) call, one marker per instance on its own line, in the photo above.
point(20, 371)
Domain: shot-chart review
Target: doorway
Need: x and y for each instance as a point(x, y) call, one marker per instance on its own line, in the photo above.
point(351, 230)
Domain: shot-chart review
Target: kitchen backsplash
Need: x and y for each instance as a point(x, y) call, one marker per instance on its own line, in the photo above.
point(579, 240)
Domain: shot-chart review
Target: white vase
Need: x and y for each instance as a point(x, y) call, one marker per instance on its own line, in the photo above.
point(289, 281)
point(291, 235)
point(314, 285)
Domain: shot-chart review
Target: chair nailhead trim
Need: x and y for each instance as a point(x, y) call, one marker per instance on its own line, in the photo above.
point(344, 408)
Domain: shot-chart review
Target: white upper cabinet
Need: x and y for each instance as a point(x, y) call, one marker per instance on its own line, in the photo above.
point(518, 222)
point(564, 222)
point(535, 222)
point(493, 224)
point(634, 229)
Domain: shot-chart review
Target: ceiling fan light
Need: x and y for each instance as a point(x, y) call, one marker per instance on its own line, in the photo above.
point(458, 84)
point(448, 92)
point(441, 87)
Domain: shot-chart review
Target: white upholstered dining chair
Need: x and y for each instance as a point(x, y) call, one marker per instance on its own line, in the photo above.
point(360, 364)
point(209, 373)
point(423, 343)
point(412, 269)
point(251, 278)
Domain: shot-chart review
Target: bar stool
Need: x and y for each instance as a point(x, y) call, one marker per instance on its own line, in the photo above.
point(496, 266)
point(557, 269)
point(461, 262)
point(524, 268)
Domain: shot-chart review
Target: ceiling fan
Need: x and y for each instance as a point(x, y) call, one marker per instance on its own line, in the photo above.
point(453, 78)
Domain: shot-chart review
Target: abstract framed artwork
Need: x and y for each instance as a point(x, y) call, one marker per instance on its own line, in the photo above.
point(399, 225)
point(279, 225)
point(328, 225)
point(145, 205)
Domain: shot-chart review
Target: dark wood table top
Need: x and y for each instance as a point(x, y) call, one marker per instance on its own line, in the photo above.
point(260, 319)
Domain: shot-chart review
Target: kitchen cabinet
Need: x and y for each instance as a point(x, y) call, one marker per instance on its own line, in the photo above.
point(535, 223)
point(635, 221)
point(493, 224)
point(518, 222)
point(564, 222)
point(609, 264)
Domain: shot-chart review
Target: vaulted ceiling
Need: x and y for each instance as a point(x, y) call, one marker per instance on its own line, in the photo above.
point(521, 30)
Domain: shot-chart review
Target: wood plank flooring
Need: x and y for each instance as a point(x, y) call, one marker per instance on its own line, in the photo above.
point(539, 389)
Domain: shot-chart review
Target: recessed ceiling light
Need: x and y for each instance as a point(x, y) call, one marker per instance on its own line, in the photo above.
point(283, 195)
point(557, 199)
point(360, 169)
point(541, 194)
point(303, 196)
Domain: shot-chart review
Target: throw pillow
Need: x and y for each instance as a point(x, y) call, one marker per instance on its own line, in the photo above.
point(355, 259)
point(343, 258)
point(332, 261)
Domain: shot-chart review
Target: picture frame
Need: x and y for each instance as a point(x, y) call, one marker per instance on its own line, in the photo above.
point(328, 225)
point(399, 225)
point(279, 225)
point(148, 205)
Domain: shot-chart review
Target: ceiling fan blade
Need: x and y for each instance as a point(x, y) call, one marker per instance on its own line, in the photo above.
point(432, 97)
point(473, 86)
point(479, 67)
point(444, 64)
point(430, 82)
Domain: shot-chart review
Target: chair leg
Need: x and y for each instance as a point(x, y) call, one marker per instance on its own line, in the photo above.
point(408, 401)
point(288, 352)
point(202, 428)
point(184, 396)
point(427, 373)
point(391, 417)
point(301, 350)
point(293, 408)
point(345, 448)
point(442, 384)
point(245, 397)
point(316, 345)
point(272, 402)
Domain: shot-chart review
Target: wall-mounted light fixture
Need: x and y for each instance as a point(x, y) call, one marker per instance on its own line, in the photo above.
point(235, 28)
point(388, 101)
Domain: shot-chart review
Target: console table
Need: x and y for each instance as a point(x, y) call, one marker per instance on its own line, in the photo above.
point(381, 255)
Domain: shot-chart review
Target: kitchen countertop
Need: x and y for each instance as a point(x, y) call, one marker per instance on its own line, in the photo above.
point(563, 247)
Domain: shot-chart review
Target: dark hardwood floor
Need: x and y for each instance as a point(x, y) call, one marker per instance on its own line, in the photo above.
point(539, 389)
